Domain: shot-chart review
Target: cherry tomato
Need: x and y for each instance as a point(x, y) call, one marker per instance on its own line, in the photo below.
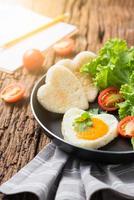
point(12, 93)
point(65, 47)
point(108, 98)
point(126, 127)
point(33, 60)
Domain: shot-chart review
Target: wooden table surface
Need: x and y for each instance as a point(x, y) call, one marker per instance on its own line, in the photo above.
point(21, 138)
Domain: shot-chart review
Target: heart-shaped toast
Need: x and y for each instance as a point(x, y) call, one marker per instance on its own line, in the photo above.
point(62, 91)
point(74, 65)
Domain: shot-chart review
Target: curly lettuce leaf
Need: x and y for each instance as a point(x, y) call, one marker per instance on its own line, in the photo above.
point(113, 65)
point(127, 107)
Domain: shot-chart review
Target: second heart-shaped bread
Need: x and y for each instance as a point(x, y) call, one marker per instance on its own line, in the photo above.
point(86, 80)
point(62, 91)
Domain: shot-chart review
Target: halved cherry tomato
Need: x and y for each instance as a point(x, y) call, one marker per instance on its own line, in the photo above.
point(126, 127)
point(12, 93)
point(108, 99)
point(65, 47)
point(33, 60)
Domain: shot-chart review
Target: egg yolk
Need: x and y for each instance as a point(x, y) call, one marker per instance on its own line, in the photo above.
point(99, 129)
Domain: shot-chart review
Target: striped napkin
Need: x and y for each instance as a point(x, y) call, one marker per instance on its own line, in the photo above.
point(52, 174)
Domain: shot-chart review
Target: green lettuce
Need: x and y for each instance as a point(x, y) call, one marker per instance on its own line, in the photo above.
point(127, 90)
point(113, 65)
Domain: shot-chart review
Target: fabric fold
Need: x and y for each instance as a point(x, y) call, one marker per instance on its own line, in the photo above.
point(39, 176)
point(53, 174)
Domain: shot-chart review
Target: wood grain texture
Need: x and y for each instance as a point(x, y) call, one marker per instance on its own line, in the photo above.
point(21, 138)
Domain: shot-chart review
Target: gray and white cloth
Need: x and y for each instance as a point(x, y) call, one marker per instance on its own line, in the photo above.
point(53, 174)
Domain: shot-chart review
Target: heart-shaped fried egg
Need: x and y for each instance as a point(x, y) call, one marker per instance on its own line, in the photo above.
point(102, 131)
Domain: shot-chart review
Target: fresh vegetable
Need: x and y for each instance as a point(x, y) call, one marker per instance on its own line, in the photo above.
point(13, 93)
point(109, 98)
point(65, 47)
point(33, 60)
point(83, 122)
point(113, 65)
point(127, 107)
point(126, 127)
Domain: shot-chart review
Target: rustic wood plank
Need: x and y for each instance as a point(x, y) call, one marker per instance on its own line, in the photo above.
point(98, 20)
point(19, 132)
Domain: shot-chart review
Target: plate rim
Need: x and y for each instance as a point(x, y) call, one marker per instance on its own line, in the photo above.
point(62, 140)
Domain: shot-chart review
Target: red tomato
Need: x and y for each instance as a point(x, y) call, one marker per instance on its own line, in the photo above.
point(126, 126)
point(12, 93)
point(33, 60)
point(65, 47)
point(108, 98)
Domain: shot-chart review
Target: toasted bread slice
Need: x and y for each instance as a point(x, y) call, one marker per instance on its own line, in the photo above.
point(62, 91)
point(66, 63)
point(82, 58)
point(86, 80)
point(90, 89)
point(74, 65)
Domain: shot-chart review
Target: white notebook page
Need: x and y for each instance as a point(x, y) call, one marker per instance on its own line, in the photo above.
point(26, 21)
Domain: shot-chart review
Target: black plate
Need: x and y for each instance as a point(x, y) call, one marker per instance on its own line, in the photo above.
point(120, 150)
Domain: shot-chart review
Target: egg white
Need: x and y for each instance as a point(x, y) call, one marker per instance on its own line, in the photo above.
point(70, 134)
